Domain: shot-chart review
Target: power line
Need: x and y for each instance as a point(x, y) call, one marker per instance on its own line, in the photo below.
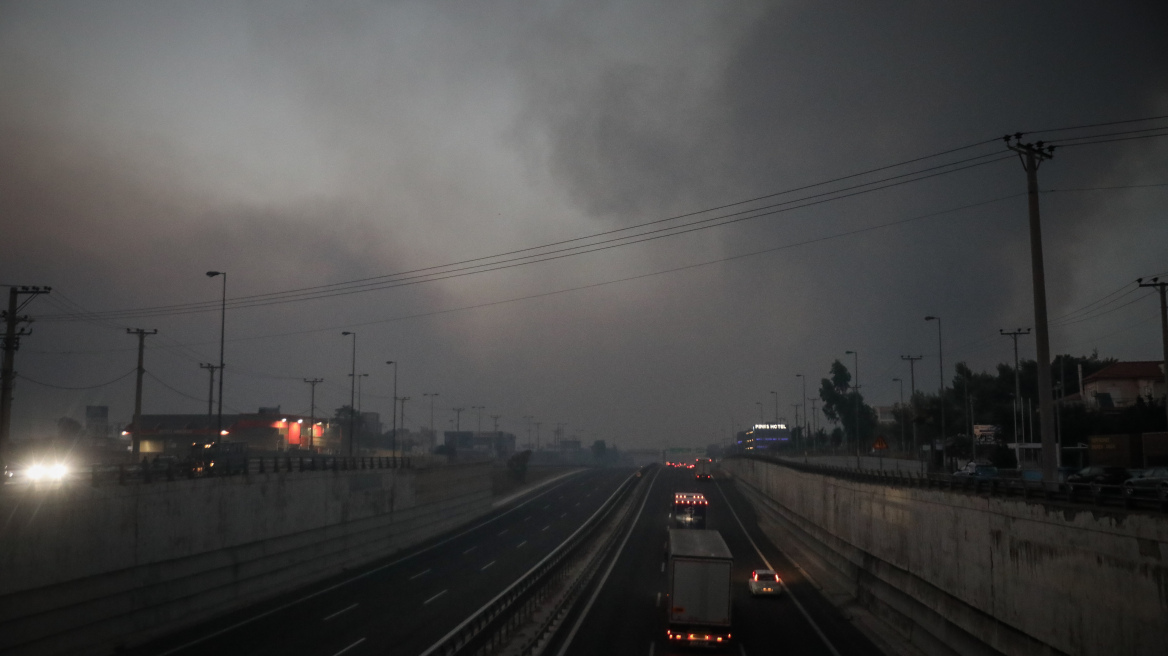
point(86, 387)
point(649, 235)
point(1097, 125)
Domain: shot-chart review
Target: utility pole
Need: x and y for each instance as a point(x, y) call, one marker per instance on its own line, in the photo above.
point(856, 387)
point(1032, 155)
point(458, 418)
point(403, 413)
point(528, 418)
point(1160, 286)
point(537, 425)
point(806, 419)
point(210, 367)
point(815, 414)
point(312, 410)
point(776, 395)
point(433, 430)
point(11, 343)
point(1017, 377)
point(912, 375)
point(479, 414)
point(136, 435)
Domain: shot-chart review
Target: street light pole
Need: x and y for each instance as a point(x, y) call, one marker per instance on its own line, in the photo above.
point(776, 394)
point(352, 391)
point(458, 418)
point(222, 330)
point(901, 381)
point(761, 420)
point(856, 359)
point(806, 422)
point(312, 410)
point(393, 432)
point(480, 409)
point(433, 431)
point(941, 362)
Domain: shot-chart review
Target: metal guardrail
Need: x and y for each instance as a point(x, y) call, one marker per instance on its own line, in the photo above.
point(490, 627)
point(157, 472)
point(1109, 496)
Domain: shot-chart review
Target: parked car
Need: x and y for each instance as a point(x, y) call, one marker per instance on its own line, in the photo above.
point(1099, 475)
point(1151, 480)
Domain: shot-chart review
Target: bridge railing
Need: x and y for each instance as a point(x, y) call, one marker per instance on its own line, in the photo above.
point(1093, 494)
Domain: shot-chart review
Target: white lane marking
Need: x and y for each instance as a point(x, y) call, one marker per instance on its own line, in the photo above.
point(563, 515)
point(349, 647)
point(500, 534)
point(487, 565)
point(420, 574)
point(527, 518)
point(272, 611)
point(547, 506)
point(603, 579)
point(521, 544)
point(818, 631)
point(434, 597)
point(651, 646)
point(545, 528)
point(461, 625)
point(658, 604)
point(741, 649)
point(662, 566)
point(343, 610)
point(577, 503)
point(470, 550)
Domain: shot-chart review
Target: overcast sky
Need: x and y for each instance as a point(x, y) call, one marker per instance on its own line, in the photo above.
point(303, 144)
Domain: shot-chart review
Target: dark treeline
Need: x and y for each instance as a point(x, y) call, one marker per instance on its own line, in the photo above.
point(979, 398)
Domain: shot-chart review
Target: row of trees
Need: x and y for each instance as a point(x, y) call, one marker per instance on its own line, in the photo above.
point(972, 398)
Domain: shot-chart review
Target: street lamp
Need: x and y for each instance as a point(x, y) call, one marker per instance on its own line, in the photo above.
point(393, 439)
point(941, 363)
point(222, 329)
point(856, 359)
point(901, 381)
point(458, 418)
point(776, 394)
point(806, 422)
point(760, 417)
point(352, 390)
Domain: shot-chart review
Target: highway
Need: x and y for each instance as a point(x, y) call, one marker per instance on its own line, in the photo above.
point(627, 614)
point(407, 603)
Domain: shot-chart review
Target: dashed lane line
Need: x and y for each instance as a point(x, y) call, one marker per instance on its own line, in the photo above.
point(434, 597)
point(818, 631)
point(349, 647)
point(420, 574)
point(340, 612)
point(487, 565)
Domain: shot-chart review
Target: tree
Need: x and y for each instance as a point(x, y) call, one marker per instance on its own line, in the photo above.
point(839, 403)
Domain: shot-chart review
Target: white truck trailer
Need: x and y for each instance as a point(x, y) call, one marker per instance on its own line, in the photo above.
point(698, 602)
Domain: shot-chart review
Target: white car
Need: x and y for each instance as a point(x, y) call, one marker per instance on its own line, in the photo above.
point(765, 582)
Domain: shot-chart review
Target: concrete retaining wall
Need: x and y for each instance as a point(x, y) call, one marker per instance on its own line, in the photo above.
point(958, 573)
point(84, 569)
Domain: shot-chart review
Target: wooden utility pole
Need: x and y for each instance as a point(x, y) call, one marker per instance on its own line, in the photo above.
point(1160, 287)
point(136, 435)
point(1017, 377)
point(1032, 156)
point(12, 335)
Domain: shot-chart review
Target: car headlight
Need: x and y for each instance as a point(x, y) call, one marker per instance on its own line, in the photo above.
point(36, 472)
point(58, 471)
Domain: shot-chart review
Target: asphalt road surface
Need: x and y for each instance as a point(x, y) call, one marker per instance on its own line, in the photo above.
point(405, 604)
point(628, 614)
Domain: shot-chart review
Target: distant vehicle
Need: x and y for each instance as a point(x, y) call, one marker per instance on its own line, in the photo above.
point(689, 510)
point(702, 469)
point(981, 471)
point(1097, 475)
point(1152, 480)
point(698, 598)
point(218, 458)
point(765, 582)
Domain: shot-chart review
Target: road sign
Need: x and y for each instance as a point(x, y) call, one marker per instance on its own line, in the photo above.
point(880, 444)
